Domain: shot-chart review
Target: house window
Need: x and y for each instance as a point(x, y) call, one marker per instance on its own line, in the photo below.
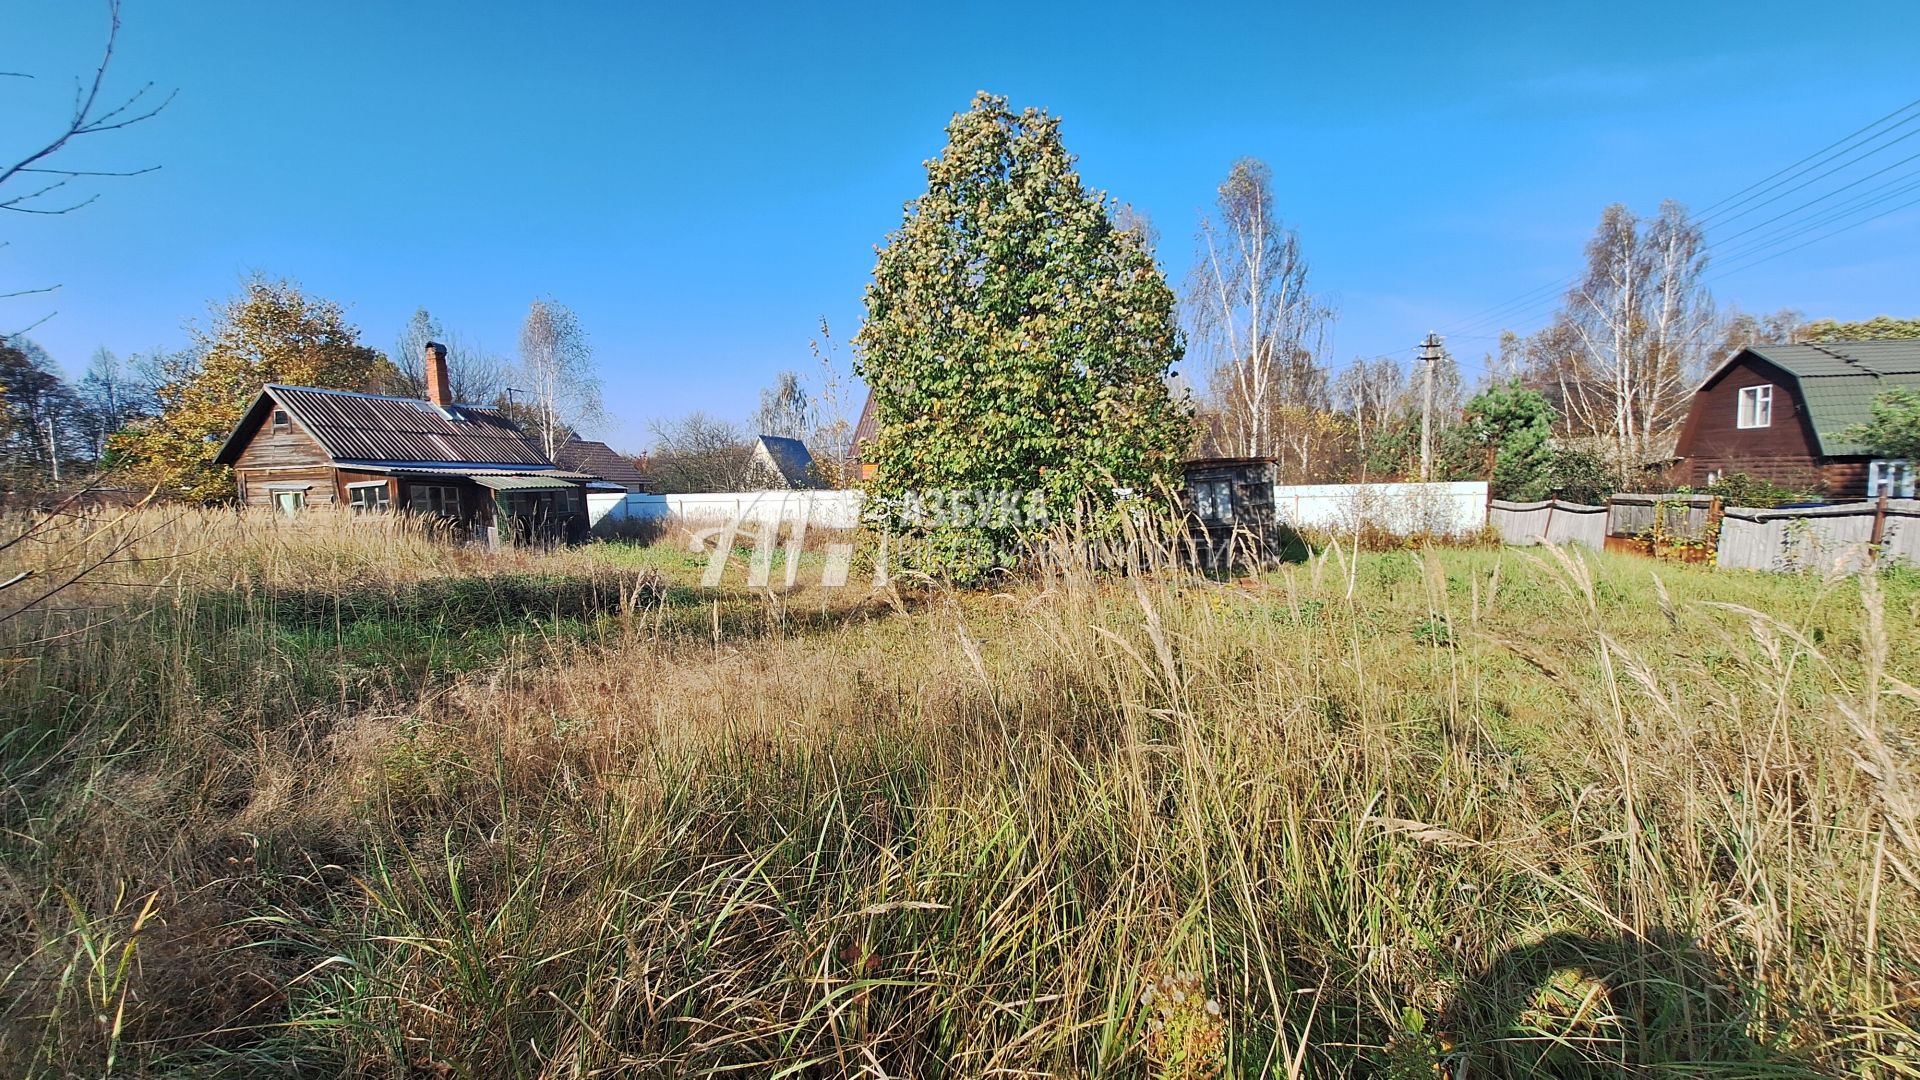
point(290, 502)
point(281, 421)
point(1213, 500)
point(1891, 475)
point(434, 499)
point(369, 498)
point(1756, 406)
point(1714, 475)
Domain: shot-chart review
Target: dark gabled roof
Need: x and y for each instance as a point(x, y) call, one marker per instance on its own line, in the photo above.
point(790, 458)
point(1838, 382)
point(602, 461)
point(868, 428)
point(377, 428)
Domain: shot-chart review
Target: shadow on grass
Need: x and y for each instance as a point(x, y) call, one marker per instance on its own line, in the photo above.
point(417, 615)
point(1574, 1005)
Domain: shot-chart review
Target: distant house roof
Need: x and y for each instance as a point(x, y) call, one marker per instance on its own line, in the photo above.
point(1838, 382)
point(603, 461)
point(869, 426)
point(789, 458)
point(375, 428)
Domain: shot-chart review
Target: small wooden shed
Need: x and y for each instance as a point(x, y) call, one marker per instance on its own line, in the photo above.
point(1230, 511)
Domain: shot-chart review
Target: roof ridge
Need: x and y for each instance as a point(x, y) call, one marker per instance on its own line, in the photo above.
point(1842, 357)
point(379, 397)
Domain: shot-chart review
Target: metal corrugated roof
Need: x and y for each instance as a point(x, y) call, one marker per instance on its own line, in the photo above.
point(374, 427)
point(1839, 381)
point(602, 461)
point(790, 458)
point(526, 483)
point(868, 428)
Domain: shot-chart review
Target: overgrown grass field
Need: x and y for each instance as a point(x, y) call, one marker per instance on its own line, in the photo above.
point(330, 797)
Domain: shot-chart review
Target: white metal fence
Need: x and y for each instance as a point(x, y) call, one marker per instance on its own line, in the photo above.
point(1450, 509)
point(824, 509)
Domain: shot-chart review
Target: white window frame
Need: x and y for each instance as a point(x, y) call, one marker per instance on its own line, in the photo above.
point(1893, 474)
point(289, 501)
point(369, 497)
point(282, 421)
point(1756, 406)
point(1714, 475)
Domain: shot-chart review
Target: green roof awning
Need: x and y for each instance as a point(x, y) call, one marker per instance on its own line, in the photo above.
point(525, 483)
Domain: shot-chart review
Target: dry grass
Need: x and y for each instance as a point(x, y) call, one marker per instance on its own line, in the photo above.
point(1495, 812)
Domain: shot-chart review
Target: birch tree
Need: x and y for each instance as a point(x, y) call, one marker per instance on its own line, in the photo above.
point(474, 375)
point(1371, 392)
point(785, 410)
point(556, 363)
point(1251, 313)
point(1634, 334)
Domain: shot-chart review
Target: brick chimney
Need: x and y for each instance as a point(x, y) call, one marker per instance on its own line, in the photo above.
point(439, 391)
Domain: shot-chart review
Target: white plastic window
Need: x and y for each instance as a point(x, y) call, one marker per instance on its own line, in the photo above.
point(1891, 475)
point(1756, 406)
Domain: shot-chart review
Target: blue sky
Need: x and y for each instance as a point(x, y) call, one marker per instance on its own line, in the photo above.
point(703, 183)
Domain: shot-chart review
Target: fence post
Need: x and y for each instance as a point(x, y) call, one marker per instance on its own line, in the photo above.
point(1879, 535)
point(1546, 531)
point(1716, 510)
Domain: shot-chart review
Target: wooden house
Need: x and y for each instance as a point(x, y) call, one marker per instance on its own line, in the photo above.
point(302, 446)
point(1781, 413)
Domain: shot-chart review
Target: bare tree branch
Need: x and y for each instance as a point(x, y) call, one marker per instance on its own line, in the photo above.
point(88, 120)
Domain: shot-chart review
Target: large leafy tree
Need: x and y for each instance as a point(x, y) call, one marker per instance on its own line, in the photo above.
point(271, 333)
point(1016, 338)
point(1895, 429)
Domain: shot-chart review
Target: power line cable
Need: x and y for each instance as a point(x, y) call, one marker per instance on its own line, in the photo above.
point(1707, 211)
point(1529, 301)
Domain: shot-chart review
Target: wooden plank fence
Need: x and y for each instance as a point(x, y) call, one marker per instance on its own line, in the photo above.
point(1682, 517)
point(1822, 539)
point(1842, 538)
point(1555, 521)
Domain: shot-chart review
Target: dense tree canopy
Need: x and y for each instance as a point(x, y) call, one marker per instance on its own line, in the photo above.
point(1016, 338)
point(1878, 328)
point(1895, 429)
point(271, 333)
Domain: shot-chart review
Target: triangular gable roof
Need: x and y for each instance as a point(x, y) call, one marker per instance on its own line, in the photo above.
point(1837, 382)
point(377, 428)
point(790, 458)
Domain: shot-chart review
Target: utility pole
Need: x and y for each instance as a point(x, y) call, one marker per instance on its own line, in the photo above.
point(1429, 355)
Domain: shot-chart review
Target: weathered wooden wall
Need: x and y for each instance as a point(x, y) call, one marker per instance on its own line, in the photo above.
point(284, 457)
